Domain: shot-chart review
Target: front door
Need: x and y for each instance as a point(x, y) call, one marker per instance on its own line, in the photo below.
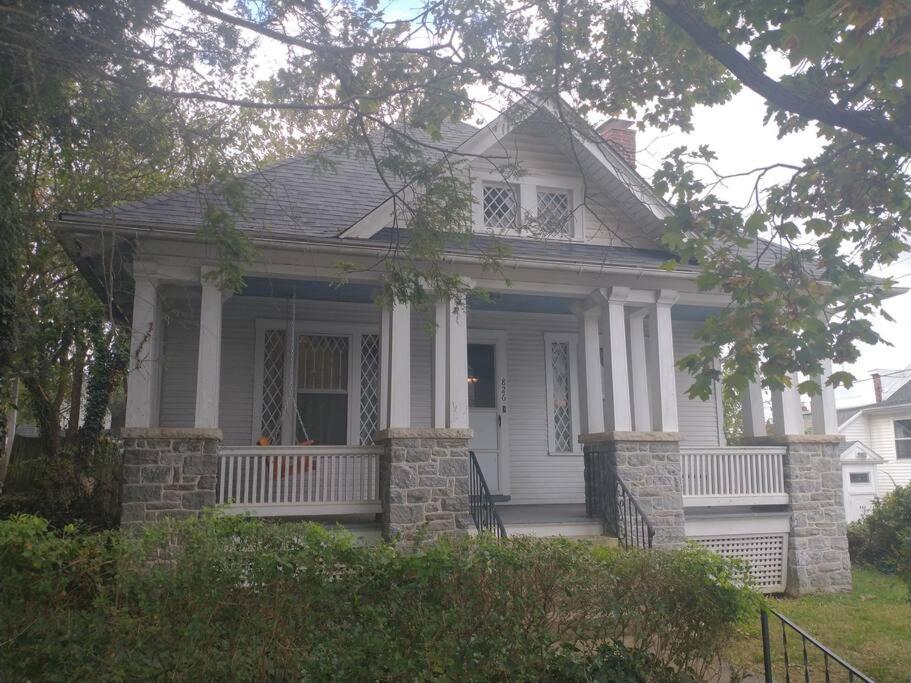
point(486, 409)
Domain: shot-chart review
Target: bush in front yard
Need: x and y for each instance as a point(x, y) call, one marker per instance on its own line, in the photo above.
point(883, 538)
point(227, 598)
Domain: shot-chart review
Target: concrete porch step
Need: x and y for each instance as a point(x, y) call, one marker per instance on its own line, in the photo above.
point(574, 529)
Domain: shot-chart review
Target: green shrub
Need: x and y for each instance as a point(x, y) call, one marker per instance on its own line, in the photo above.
point(227, 598)
point(883, 538)
point(63, 489)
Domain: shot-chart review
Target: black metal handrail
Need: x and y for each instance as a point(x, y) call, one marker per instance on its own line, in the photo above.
point(480, 502)
point(830, 659)
point(609, 498)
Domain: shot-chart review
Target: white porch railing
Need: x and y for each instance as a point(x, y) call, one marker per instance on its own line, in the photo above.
point(733, 476)
point(273, 481)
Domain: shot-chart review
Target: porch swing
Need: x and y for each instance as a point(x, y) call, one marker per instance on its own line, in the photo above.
point(278, 466)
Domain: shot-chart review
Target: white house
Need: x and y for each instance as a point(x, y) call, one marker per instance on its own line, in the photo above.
point(299, 397)
point(884, 430)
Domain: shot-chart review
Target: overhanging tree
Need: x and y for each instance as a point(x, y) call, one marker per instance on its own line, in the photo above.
point(793, 257)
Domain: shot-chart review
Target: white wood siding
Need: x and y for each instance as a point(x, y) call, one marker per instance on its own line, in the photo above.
point(532, 146)
point(858, 430)
point(882, 440)
point(536, 476)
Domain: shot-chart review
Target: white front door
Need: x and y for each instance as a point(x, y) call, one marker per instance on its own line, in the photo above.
point(487, 408)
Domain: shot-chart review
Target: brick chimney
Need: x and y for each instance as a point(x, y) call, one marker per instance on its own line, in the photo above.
point(621, 135)
point(877, 387)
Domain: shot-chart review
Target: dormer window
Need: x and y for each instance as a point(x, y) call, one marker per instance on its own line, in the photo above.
point(532, 206)
point(554, 212)
point(501, 206)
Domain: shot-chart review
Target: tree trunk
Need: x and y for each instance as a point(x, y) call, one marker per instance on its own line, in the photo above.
point(12, 414)
point(72, 426)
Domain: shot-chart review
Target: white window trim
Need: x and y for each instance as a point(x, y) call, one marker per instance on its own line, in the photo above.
point(353, 331)
point(527, 190)
point(572, 341)
point(899, 438)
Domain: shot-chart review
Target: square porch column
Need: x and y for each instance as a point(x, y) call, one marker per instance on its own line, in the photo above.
point(450, 365)
point(822, 405)
point(589, 324)
point(753, 413)
point(208, 368)
point(395, 366)
point(616, 365)
point(639, 372)
point(143, 371)
point(787, 418)
point(661, 362)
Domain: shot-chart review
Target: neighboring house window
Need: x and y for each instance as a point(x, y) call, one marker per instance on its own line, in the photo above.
point(859, 477)
point(562, 394)
point(501, 207)
point(903, 438)
point(554, 212)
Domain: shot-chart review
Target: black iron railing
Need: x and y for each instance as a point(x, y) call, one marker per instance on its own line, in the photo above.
point(606, 496)
point(480, 502)
point(830, 666)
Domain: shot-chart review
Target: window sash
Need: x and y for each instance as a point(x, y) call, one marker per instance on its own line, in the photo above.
point(496, 197)
point(561, 383)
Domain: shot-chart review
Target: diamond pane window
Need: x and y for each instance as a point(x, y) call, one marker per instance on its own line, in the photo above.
point(273, 385)
point(560, 397)
point(500, 207)
point(322, 390)
point(370, 387)
point(554, 214)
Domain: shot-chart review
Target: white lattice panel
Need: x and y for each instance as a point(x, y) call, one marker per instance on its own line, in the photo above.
point(563, 419)
point(553, 212)
point(273, 385)
point(370, 388)
point(500, 209)
point(766, 555)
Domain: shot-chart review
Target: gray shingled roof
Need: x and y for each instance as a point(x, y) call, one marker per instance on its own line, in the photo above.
point(298, 197)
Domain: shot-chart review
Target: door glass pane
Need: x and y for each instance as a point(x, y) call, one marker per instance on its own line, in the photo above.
point(322, 419)
point(322, 390)
point(481, 376)
point(859, 477)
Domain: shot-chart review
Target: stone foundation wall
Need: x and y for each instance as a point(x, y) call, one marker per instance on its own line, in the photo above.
point(818, 559)
point(649, 465)
point(424, 484)
point(167, 473)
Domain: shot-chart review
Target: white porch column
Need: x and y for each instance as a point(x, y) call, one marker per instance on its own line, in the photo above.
point(457, 353)
point(395, 366)
point(591, 369)
point(661, 360)
point(786, 414)
point(616, 366)
point(440, 380)
point(642, 418)
point(143, 368)
point(208, 368)
point(825, 419)
point(753, 414)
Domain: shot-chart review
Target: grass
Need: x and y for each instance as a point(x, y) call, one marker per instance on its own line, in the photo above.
point(870, 627)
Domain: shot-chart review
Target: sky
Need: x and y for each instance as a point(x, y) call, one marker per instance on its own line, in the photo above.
point(735, 131)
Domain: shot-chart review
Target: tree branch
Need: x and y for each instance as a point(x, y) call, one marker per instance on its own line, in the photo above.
point(872, 126)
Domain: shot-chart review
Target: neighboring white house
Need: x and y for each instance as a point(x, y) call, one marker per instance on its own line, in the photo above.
point(884, 428)
point(301, 397)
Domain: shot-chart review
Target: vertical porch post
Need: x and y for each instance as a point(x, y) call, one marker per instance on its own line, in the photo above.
point(143, 369)
point(591, 369)
point(616, 366)
point(642, 418)
point(395, 366)
point(753, 414)
point(208, 372)
point(825, 419)
point(786, 414)
point(450, 364)
point(661, 359)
